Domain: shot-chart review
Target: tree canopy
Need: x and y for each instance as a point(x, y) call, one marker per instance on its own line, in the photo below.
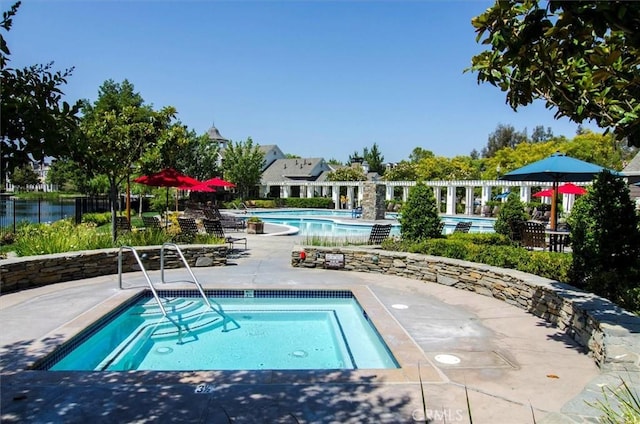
point(35, 122)
point(581, 57)
point(242, 165)
point(116, 131)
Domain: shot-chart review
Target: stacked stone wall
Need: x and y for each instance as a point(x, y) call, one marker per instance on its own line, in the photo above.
point(608, 332)
point(35, 271)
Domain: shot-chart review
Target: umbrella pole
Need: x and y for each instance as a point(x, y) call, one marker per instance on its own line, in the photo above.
point(166, 211)
point(554, 196)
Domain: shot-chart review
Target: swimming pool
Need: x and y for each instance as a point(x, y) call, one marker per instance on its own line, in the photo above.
point(245, 330)
point(327, 222)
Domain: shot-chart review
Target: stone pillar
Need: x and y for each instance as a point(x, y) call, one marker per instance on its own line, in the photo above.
point(373, 206)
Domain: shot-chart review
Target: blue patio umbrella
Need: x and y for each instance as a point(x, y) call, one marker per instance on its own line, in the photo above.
point(555, 169)
point(501, 195)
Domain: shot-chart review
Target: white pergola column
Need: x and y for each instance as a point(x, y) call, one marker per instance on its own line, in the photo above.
point(335, 196)
point(405, 193)
point(388, 195)
point(525, 194)
point(468, 199)
point(567, 202)
point(437, 193)
point(451, 200)
point(350, 197)
point(485, 197)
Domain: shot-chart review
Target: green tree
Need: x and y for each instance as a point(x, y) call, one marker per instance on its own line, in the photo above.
point(347, 173)
point(24, 176)
point(198, 157)
point(580, 57)
point(115, 133)
point(511, 218)
point(418, 153)
point(539, 134)
point(374, 158)
point(242, 165)
point(420, 218)
point(402, 171)
point(68, 176)
point(503, 136)
point(605, 240)
point(35, 122)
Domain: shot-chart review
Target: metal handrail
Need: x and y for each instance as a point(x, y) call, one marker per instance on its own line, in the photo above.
point(186, 264)
point(144, 271)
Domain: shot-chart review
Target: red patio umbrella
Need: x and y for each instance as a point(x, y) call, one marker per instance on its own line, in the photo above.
point(168, 177)
point(544, 193)
point(567, 188)
point(218, 182)
point(199, 187)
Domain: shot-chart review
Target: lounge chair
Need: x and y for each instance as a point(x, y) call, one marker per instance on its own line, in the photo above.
point(463, 227)
point(214, 226)
point(188, 225)
point(227, 221)
point(533, 235)
point(379, 232)
point(122, 224)
point(152, 223)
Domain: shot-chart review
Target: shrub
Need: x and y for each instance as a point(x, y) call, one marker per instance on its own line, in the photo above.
point(61, 236)
point(420, 218)
point(308, 202)
point(491, 249)
point(606, 241)
point(511, 218)
point(97, 218)
point(493, 239)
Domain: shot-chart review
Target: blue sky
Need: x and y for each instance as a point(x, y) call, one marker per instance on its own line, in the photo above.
point(317, 78)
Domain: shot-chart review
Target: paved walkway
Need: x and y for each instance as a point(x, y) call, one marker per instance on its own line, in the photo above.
point(512, 364)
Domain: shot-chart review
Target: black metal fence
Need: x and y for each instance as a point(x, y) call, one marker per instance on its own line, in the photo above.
point(14, 211)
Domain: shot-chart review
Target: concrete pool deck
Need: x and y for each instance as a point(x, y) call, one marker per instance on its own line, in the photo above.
point(513, 365)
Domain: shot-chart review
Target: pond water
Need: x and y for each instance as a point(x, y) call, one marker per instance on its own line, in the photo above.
point(14, 211)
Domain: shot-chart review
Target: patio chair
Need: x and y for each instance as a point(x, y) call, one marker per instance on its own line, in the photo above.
point(214, 226)
point(188, 225)
point(533, 235)
point(122, 224)
point(379, 232)
point(463, 227)
point(486, 211)
point(152, 222)
point(356, 212)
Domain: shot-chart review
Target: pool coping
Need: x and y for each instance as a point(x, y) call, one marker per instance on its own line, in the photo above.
point(414, 365)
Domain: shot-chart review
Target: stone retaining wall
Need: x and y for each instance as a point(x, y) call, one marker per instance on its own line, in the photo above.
point(34, 271)
point(611, 334)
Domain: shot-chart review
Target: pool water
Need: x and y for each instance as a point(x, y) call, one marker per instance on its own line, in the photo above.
point(327, 222)
point(248, 330)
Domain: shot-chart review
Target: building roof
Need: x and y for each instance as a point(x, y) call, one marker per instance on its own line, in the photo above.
point(633, 167)
point(295, 169)
point(214, 134)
